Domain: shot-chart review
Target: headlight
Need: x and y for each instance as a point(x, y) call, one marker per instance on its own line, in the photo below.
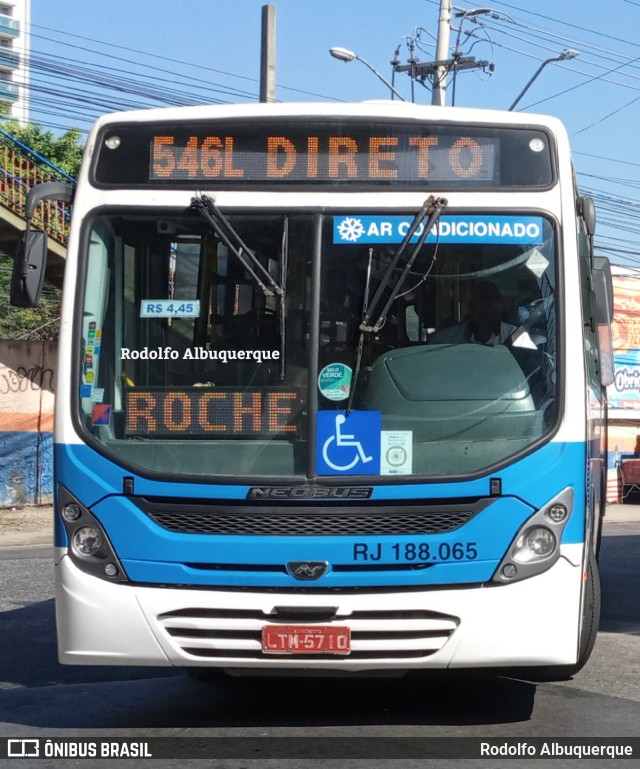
point(536, 546)
point(86, 540)
point(536, 543)
point(88, 543)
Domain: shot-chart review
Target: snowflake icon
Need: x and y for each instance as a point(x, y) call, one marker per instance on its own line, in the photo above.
point(351, 229)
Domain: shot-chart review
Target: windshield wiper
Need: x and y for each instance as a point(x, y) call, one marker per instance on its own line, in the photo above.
point(360, 347)
point(249, 260)
point(232, 240)
point(431, 210)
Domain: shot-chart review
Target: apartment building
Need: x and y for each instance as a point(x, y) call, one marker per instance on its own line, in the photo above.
point(15, 19)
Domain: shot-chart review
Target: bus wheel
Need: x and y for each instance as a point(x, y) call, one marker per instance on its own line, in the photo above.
point(590, 613)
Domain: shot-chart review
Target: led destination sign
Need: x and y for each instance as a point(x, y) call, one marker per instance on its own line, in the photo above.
point(208, 412)
point(334, 152)
point(357, 157)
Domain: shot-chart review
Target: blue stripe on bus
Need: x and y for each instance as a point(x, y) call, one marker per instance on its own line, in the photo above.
point(152, 554)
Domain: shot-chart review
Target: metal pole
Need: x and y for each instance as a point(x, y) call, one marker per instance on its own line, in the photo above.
point(379, 76)
point(568, 53)
point(268, 54)
point(534, 76)
point(442, 54)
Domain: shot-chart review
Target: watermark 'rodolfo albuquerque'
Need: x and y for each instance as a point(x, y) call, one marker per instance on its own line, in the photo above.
point(197, 353)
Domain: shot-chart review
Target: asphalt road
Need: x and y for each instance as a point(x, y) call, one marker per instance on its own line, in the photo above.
point(333, 721)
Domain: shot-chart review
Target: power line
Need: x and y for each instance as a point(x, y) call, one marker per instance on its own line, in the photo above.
point(605, 117)
point(609, 160)
point(598, 33)
point(199, 67)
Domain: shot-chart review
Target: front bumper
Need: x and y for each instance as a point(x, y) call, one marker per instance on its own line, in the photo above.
point(531, 622)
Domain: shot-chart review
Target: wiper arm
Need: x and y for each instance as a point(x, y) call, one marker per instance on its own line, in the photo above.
point(431, 210)
point(284, 271)
point(360, 348)
point(232, 240)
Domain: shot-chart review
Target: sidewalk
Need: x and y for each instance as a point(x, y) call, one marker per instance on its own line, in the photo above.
point(34, 525)
point(622, 514)
point(26, 526)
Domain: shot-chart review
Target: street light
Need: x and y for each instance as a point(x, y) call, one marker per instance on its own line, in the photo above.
point(566, 54)
point(344, 54)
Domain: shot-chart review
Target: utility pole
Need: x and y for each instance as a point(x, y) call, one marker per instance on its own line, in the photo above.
point(442, 54)
point(268, 54)
point(437, 71)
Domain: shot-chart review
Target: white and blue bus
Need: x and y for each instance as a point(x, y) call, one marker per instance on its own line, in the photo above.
point(330, 391)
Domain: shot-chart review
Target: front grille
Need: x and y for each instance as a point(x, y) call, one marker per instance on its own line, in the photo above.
point(310, 522)
point(375, 635)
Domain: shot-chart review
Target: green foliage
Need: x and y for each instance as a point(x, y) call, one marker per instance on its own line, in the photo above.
point(64, 151)
point(42, 322)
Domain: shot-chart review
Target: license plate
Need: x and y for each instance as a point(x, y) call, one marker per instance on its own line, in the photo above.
point(306, 639)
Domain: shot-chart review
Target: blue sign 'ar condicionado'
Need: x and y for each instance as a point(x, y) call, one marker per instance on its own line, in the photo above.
point(521, 230)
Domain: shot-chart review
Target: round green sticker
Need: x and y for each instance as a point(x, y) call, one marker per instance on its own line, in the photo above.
point(334, 381)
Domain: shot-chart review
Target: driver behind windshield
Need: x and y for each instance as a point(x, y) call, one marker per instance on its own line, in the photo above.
point(485, 324)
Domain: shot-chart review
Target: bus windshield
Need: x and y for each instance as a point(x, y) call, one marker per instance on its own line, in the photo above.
point(189, 365)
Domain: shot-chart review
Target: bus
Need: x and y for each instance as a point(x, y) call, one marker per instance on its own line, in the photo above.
point(283, 441)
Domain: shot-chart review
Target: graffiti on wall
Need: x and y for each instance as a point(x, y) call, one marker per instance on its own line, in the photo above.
point(27, 387)
point(35, 378)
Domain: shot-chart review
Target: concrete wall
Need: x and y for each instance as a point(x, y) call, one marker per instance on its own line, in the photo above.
point(27, 388)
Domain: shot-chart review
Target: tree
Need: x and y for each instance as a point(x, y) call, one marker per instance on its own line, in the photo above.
point(64, 151)
point(40, 322)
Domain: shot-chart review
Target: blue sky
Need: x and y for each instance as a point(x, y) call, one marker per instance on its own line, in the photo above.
point(201, 51)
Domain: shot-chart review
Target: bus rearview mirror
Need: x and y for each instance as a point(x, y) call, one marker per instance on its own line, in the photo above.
point(603, 291)
point(28, 269)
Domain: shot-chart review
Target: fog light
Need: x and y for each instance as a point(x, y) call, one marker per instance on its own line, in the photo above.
point(71, 512)
point(111, 570)
point(509, 571)
point(535, 544)
point(86, 540)
point(556, 513)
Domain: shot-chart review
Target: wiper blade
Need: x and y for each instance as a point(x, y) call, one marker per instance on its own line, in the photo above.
point(232, 240)
point(431, 210)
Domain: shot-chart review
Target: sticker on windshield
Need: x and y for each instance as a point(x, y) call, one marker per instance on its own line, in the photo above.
point(169, 308)
point(506, 230)
point(101, 414)
point(334, 381)
point(396, 452)
point(348, 444)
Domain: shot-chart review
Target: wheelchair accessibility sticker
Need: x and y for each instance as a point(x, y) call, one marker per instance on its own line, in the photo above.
point(348, 445)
